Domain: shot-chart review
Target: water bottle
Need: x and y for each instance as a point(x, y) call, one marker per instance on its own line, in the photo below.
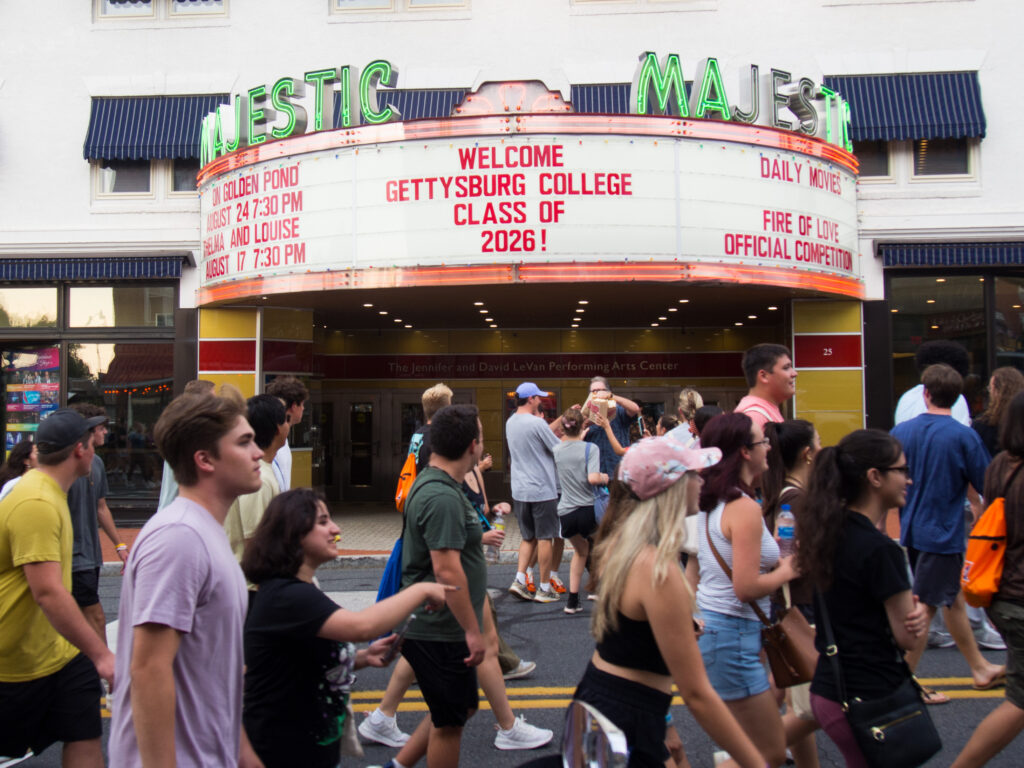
point(493, 550)
point(785, 524)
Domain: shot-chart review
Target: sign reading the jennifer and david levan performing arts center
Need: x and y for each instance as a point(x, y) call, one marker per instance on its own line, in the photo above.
point(552, 187)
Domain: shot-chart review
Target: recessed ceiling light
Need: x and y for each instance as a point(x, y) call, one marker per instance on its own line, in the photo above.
point(940, 279)
point(576, 319)
point(367, 305)
point(1016, 306)
point(935, 327)
point(931, 301)
point(382, 312)
point(662, 317)
point(673, 309)
point(484, 312)
point(654, 325)
point(582, 301)
point(981, 279)
point(772, 309)
point(575, 325)
point(478, 303)
point(579, 309)
point(488, 319)
point(494, 325)
point(894, 310)
point(684, 301)
point(751, 317)
point(263, 297)
point(397, 320)
point(737, 323)
point(408, 326)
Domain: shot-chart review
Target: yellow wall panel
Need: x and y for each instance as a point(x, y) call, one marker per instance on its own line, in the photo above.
point(246, 382)
point(489, 397)
point(227, 323)
point(826, 317)
point(829, 391)
point(302, 468)
point(291, 324)
point(483, 342)
point(528, 341)
point(834, 425)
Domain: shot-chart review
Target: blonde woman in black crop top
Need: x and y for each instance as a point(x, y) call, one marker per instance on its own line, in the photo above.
point(643, 621)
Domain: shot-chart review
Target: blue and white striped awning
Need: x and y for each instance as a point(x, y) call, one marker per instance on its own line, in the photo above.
point(414, 104)
point(147, 127)
point(951, 254)
point(899, 107)
point(30, 269)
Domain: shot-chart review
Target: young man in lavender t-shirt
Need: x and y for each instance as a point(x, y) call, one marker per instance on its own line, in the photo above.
point(178, 682)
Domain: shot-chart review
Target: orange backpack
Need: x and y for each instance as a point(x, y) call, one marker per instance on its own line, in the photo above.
point(408, 474)
point(986, 552)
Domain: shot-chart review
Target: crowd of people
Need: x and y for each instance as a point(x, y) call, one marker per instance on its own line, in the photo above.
point(230, 654)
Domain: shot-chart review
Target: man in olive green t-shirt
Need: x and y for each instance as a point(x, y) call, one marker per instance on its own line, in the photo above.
point(442, 543)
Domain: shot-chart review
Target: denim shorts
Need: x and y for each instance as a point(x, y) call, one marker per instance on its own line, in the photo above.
point(731, 648)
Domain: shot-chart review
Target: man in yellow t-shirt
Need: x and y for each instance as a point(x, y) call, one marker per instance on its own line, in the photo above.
point(51, 659)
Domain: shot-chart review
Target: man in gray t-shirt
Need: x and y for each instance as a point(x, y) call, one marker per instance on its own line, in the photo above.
point(531, 445)
point(87, 503)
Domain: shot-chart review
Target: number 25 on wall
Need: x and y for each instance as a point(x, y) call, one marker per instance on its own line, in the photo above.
point(827, 351)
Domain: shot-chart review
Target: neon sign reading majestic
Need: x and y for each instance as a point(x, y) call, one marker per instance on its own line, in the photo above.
point(659, 88)
point(293, 107)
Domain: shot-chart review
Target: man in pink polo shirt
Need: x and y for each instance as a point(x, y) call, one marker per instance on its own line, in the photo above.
point(771, 377)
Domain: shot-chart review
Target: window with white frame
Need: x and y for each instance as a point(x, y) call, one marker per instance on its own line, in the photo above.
point(949, 162)
point(158, 9)
point(144, 179)
point(367, 6)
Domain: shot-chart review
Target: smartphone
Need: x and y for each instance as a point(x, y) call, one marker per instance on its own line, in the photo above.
point(392, 653)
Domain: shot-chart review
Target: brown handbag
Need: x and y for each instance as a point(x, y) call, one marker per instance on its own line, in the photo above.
point(788, 643)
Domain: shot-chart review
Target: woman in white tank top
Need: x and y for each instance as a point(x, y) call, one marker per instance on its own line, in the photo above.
point(730, 517)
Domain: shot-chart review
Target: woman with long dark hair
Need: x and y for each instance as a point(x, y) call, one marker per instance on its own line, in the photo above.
point(794, 444)
point(20, 460)
point(1005, 478)
point(299, 651)
point(862, 575)
point(643, 620)
point(731, 530)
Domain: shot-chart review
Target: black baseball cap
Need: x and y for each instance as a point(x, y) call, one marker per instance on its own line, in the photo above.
point(62, 428)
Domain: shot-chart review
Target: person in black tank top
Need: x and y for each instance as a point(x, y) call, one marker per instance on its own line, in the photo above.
point(643, 620)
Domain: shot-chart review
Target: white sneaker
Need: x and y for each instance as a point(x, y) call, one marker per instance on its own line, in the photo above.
point(6, 762)
point(383, 730)
point(522, 735)
point(988, 638)
point(524, 669)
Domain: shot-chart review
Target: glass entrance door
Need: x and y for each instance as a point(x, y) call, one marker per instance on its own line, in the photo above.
point(360, 429)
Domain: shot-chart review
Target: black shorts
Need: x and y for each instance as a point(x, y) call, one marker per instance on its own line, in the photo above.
point(636, 708)
point(936, 576)
point(579, 521)
point(449, 687)
point(85, 587)
point(64, 706)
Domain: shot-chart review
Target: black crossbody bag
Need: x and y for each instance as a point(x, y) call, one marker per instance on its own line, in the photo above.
point(894, 731)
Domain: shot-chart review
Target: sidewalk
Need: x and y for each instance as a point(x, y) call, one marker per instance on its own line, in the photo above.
point(368, 532)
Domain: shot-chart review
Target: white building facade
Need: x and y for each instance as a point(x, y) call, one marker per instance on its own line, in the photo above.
point(118, 284)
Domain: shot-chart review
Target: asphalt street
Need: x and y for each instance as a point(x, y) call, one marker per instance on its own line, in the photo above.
point(561, 645)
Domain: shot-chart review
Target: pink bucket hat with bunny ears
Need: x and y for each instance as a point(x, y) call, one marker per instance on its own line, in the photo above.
point(656, 463)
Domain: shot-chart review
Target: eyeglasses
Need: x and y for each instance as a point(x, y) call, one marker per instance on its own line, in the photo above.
point(756, 443)
point(904, 469)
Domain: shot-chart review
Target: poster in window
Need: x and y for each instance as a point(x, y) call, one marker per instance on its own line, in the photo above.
point(31, 378)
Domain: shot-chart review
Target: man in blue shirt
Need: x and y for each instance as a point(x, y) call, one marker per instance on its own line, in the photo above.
point(625, 411)
point(943, 458)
